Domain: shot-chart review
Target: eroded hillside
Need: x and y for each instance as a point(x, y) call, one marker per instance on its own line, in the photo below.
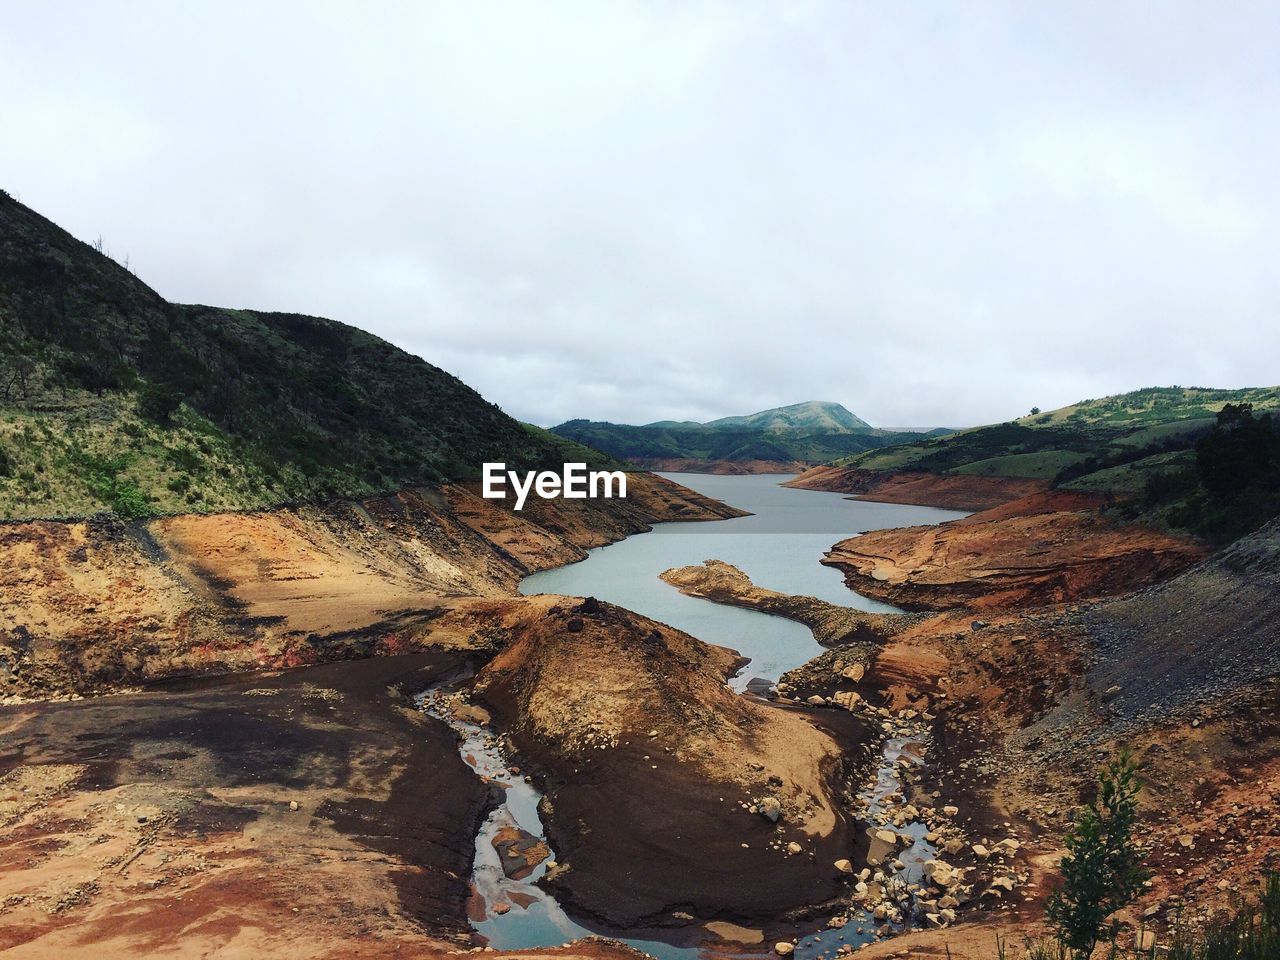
point(98, 604)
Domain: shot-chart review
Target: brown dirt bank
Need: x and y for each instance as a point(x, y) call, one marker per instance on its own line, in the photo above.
point(97, 604)
point(646, 759)
point(720, 467)
point(831, 624)
point(952, 492)
point(162, 822)
point(1046, 548)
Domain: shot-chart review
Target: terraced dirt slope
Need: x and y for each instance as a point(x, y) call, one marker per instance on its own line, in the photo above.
point(1046, 548)
point(93, 605)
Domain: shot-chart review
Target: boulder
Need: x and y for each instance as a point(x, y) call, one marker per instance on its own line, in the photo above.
point(770, 808)
point(784, 949)
point(519, 851)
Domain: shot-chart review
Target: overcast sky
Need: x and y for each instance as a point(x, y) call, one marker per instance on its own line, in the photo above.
point(934, 213)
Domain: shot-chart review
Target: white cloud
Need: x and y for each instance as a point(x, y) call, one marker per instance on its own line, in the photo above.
point(932, 213)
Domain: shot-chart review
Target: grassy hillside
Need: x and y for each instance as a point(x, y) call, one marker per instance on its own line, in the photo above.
point(1073, 444)
point(1152, 445)
point(112, 399)
point(813, 432)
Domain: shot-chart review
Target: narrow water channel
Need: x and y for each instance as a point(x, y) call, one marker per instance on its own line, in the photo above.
point(779, 546)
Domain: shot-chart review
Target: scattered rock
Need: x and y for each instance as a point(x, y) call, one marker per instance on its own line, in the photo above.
point(770, 808)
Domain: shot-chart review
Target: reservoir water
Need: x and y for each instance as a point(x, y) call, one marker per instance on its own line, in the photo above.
point(778, 546)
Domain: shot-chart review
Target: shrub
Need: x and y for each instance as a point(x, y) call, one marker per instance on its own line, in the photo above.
point(1102, 870)
point(102, 476)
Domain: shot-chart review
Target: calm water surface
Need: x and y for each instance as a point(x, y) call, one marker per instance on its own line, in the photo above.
point(779, 547)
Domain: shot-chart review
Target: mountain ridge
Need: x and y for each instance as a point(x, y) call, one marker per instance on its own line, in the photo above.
point(817, 415)
point(776, 440)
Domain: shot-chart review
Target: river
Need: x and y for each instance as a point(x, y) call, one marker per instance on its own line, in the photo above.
point(778, 546)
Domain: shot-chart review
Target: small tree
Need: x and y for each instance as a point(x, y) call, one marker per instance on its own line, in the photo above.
point(1034, 411)
point(1102, 870)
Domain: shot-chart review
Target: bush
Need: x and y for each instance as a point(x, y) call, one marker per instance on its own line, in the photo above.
point(102, 476)
point(1102, 870)
point(1252, 934)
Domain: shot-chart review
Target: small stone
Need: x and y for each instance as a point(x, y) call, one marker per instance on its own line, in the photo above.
point(784, 949)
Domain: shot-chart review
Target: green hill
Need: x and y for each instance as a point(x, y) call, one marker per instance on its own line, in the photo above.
point(812, 432)
point(815, 416)
point(1161, 447)
point(1074, 444)
point(112, 399)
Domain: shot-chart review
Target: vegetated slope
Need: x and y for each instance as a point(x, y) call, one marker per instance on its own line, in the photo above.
point(111, 397)
point(1164, 447)
point(804, 433)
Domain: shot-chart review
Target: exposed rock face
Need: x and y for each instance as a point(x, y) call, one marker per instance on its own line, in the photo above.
point(832, 625)
point(1047, 548)
point(1202, 634)
point(952, 492)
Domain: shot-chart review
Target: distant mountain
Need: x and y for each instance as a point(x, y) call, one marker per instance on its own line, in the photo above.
point(779, 439)
point(112, 398)
point(814, 416)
